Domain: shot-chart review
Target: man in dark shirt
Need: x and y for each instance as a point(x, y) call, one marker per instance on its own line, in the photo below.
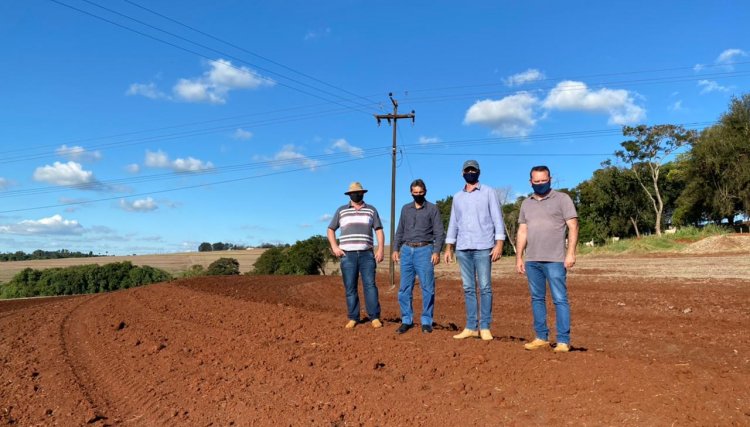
point(416, 247)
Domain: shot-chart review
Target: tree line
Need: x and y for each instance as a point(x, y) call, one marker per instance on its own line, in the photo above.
point(40, 254)
point(304, 257)
point(220, 246)
point(81, 279)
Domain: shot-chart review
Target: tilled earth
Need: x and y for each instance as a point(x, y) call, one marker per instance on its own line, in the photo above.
point(273, 351)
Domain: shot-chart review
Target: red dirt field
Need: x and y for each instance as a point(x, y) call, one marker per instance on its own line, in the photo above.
point(273, 351)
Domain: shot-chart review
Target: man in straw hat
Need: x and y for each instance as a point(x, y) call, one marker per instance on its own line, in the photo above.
point(357, 219)
point(477, 233)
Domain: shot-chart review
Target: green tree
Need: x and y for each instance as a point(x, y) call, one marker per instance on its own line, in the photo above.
point(647, 152)
point(205, 247)
point(224, 267)
point(269, 261)
point(444, 206)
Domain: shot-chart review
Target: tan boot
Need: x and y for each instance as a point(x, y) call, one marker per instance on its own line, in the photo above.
point(536, 344)
point(561, 347)
point(377, 323)
point(485, 334)
point(351, 324)
point(467, 333)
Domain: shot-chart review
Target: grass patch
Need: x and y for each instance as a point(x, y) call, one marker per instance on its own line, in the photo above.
point(655, 244)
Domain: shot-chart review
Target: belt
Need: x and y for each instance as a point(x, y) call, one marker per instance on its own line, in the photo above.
point(417, 244)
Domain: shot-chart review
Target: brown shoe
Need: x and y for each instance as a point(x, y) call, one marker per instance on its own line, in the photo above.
point(536, 344)
point(467, 333)
point(377, 323)
point(485, 334)
point(351, 324)
point(561, 347)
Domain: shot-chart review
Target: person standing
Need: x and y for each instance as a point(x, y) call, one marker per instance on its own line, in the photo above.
point(357, 220)
point(416, 247)
point(476, 230)
point(543, 219)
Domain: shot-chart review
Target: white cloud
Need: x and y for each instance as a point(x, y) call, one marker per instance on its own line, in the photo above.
point(140, 205)
point(698, 67)
point(290, 155)
point(133, 168)
point(708, 86)
point(78, 153)
point(149, 90)
point(4, 183)
point(315, 34)
point(729, 55)
point(342, 145)
point(69, 174)
point(676, 106)
point(159, 159)
point(510, 116)
point(576, 96)
point(216, 83)
point(325, 217)
point(242, 134)
point(424, 140)
point(528, 76)
point(54, 225)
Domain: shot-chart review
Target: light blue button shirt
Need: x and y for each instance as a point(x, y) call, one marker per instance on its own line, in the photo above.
point(476, 219)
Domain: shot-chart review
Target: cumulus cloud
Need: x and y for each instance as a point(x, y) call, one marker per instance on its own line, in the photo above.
point(325, 217)
point(78, 153)
point(54, 225)
point(676, 106)
point(425, 140)
point(289, 155)
point(242, 134)
point(729, 56)
point(149, 90)
point(67, 174)
point(528, 76)
point(133, 168)
point(708, 86)
point(141, 205)
point(216, 83)
point(316, 34)
point(576, 96)
point(509, 116)
point(344, 146)
point(160, 159)
point(4, 183)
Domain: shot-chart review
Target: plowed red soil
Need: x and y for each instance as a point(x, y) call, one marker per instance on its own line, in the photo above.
point(273, 351)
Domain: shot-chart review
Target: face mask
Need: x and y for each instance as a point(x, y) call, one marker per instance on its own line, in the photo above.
point(471, 177)
point(356, 197)
point(418, 199)
point(542, 188)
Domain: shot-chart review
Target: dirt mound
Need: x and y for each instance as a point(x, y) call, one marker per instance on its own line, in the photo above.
point(716, 244)
point(256, 350)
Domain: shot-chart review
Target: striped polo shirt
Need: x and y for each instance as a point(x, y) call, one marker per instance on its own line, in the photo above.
point(356, 226)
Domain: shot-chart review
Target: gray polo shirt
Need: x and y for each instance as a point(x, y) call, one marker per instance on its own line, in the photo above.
point(356, 226)
point(545, 220)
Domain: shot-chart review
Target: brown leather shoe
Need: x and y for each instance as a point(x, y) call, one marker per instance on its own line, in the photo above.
point(536, 344)
point(467, 333)
point(351, 324)
point(485, 334)
point(377, 323)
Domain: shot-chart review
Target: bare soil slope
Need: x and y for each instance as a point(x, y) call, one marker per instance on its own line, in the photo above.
point(273, 351)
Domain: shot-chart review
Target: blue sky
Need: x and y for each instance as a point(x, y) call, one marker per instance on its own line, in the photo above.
point(247, 123)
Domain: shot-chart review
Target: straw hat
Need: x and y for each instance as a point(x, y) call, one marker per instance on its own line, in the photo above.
point(355, 187)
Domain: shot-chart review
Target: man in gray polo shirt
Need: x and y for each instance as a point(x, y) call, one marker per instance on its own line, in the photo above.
point(416, 247)
point(543, 220)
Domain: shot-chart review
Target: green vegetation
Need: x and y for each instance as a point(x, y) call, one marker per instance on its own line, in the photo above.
point(40, 254)
point(220, 246)
point(82, 279)
point(304, 257)
point(653, 243)
point(224, 267)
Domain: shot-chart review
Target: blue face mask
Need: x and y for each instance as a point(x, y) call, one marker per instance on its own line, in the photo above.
point(471, 177)
point(542, 189)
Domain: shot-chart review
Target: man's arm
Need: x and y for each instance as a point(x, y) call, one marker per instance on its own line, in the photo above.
point(381, 244)
point(452, 234)
point(570, 256)
point(334, 245)
point(497, 220)
point(520, 247)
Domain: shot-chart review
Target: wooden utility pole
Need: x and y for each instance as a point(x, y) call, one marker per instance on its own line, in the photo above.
point(395, 116)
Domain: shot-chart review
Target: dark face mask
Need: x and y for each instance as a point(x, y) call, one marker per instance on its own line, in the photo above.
point(356, 197)
point(471, 177)
point(542, 189)
point(418, 199)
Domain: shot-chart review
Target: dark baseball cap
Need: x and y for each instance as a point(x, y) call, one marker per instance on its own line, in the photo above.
point(470, 164)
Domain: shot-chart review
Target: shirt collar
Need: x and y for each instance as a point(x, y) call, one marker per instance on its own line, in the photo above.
point(478, 187)
point(548, 196)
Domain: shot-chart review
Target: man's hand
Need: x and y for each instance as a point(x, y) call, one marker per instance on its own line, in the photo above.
point(520, 266)
point(435, 259)
point(497, 251)
point(570, 261)
point(379, 254)
point(448, 255)
point(337, 251)
point(395, 256)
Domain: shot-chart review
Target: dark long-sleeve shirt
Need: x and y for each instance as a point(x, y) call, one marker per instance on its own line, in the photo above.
point(420, 225)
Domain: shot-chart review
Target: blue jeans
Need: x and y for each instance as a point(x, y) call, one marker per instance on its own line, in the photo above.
point(539, 273)
point(476, 266)
point(353, 265)
point(416, 261)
